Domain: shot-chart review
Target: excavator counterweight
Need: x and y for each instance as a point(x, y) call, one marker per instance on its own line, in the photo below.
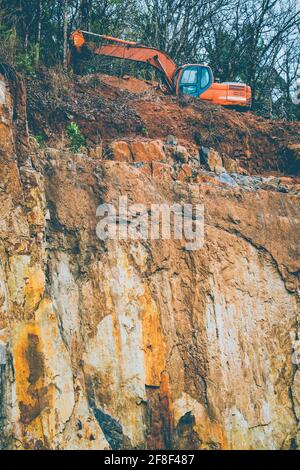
point(192, 79)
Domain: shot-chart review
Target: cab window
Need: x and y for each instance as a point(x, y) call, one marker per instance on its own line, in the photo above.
point(189, 77)
point(205, 78)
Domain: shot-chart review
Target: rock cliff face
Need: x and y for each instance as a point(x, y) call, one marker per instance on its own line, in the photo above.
point(142, 344)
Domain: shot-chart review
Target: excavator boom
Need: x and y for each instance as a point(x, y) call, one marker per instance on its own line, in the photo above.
point(138, 53)
point(128, 50)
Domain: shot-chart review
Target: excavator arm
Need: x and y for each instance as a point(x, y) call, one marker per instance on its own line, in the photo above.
point(127, 50)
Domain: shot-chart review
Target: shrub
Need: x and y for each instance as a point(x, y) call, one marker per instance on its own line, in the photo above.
point(25, 62)
point(76, 139)
point(40, 139)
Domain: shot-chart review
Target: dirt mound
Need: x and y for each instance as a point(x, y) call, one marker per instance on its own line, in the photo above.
point(108, 108)
point(128, 83)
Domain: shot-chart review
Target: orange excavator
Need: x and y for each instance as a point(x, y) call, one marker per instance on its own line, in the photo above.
point(191, 79)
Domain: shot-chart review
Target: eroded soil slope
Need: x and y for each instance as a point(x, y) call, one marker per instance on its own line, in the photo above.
point(108, 108)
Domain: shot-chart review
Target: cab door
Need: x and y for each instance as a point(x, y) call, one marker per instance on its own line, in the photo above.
point(194, 80)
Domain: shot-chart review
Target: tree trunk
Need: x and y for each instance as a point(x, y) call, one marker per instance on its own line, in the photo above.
point(26, 43)
point(65, 34)
point(39, 31)
point(85, 12)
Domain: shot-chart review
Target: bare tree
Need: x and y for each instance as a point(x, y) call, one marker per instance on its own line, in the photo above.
point(85, 12)
point(39, 31)
point(65, 33)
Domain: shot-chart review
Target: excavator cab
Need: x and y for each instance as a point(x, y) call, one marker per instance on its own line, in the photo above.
point(193, 80)
point(198, 81)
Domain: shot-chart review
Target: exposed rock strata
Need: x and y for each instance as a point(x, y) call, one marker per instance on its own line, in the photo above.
point(138, 344)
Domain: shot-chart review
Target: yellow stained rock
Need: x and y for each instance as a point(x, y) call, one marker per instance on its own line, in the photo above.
point(43, 378)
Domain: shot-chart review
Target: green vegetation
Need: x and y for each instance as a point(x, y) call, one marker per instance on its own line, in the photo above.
point(144, 131)
point(40, 139)
point(76, 139)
